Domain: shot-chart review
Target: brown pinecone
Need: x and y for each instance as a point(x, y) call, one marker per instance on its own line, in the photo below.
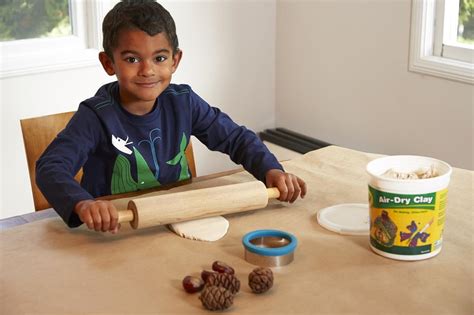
point(261, 279)
point(226, 280)
point(216, 298)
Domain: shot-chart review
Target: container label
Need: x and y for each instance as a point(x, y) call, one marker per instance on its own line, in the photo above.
point(405, 224)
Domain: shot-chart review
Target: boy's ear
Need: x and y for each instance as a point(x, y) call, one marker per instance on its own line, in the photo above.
point(176, 59)
point(107, 63)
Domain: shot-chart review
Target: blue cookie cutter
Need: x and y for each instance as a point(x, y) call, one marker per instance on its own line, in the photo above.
point(269, 248)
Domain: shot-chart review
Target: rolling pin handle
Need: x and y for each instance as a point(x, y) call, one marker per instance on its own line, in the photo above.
point(273, 193)
point(125, 216)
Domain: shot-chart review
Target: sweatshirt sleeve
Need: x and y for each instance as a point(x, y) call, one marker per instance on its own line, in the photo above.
point(218, 132)
point(62, 159)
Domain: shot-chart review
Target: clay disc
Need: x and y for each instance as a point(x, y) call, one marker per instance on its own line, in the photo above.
point(207, 229)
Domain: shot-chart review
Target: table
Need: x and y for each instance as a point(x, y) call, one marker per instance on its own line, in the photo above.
point(47, 268)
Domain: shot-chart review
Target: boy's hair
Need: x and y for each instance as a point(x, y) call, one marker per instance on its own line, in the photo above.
point(146, 15)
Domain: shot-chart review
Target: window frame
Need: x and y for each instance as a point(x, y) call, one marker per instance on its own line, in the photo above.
point(38, 55)
point(428, 55)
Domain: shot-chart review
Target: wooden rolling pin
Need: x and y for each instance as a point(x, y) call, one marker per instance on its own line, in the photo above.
point(196, 204)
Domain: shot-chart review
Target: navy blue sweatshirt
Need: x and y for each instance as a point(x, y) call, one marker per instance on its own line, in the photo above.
point(121, 152)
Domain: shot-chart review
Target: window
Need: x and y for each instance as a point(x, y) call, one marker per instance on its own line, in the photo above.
point(32, 19)
point(46, 35)
point(442, 39)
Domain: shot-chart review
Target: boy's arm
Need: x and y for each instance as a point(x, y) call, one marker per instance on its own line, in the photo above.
point(218, 132)
point(56, 168)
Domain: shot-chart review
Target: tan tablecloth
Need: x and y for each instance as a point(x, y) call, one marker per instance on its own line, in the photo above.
point(47, 268)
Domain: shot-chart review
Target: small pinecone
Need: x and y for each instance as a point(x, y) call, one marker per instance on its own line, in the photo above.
point(216, 298)
point(226, 280)
point(261, 279)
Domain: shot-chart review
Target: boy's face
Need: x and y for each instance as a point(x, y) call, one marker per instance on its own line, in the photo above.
point(143, 65)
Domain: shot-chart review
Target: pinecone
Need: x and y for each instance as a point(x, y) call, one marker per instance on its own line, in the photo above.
point(216, 298)
point(226, 280)
point(261, 279)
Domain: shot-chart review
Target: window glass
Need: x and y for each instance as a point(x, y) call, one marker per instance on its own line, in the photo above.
point(466, 22)
point(27, 19)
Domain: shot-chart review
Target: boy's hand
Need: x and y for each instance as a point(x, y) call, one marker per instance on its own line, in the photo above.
point(289, 185)
point(99, 215)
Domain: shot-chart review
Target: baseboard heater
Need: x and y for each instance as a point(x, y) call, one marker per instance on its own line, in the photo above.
point(292, 140)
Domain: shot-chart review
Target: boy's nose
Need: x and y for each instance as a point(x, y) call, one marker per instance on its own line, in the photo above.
point(147, 69)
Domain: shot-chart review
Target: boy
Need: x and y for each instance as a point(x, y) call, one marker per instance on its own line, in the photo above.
point(132, 134)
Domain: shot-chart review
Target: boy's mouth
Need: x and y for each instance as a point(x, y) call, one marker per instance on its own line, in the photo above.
point(147, 84)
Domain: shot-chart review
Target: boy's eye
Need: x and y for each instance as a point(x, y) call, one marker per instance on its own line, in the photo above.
point(160, 58)
point(131, 59)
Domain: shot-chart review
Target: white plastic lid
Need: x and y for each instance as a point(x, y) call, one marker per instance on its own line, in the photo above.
point(347, 219)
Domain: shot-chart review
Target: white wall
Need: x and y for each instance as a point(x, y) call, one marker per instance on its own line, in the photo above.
point(342, 76)
point(229, 60)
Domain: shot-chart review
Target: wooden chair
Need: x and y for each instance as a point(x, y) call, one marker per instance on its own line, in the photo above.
point(38, 132)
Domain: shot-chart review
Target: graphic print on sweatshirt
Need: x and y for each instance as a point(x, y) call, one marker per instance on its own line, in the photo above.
point(121, 144)
point(122, 179)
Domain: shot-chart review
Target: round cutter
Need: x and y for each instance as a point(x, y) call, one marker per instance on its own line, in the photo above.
point(269, 248)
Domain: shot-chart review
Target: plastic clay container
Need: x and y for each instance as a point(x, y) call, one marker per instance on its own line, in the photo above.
point(407, 215)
